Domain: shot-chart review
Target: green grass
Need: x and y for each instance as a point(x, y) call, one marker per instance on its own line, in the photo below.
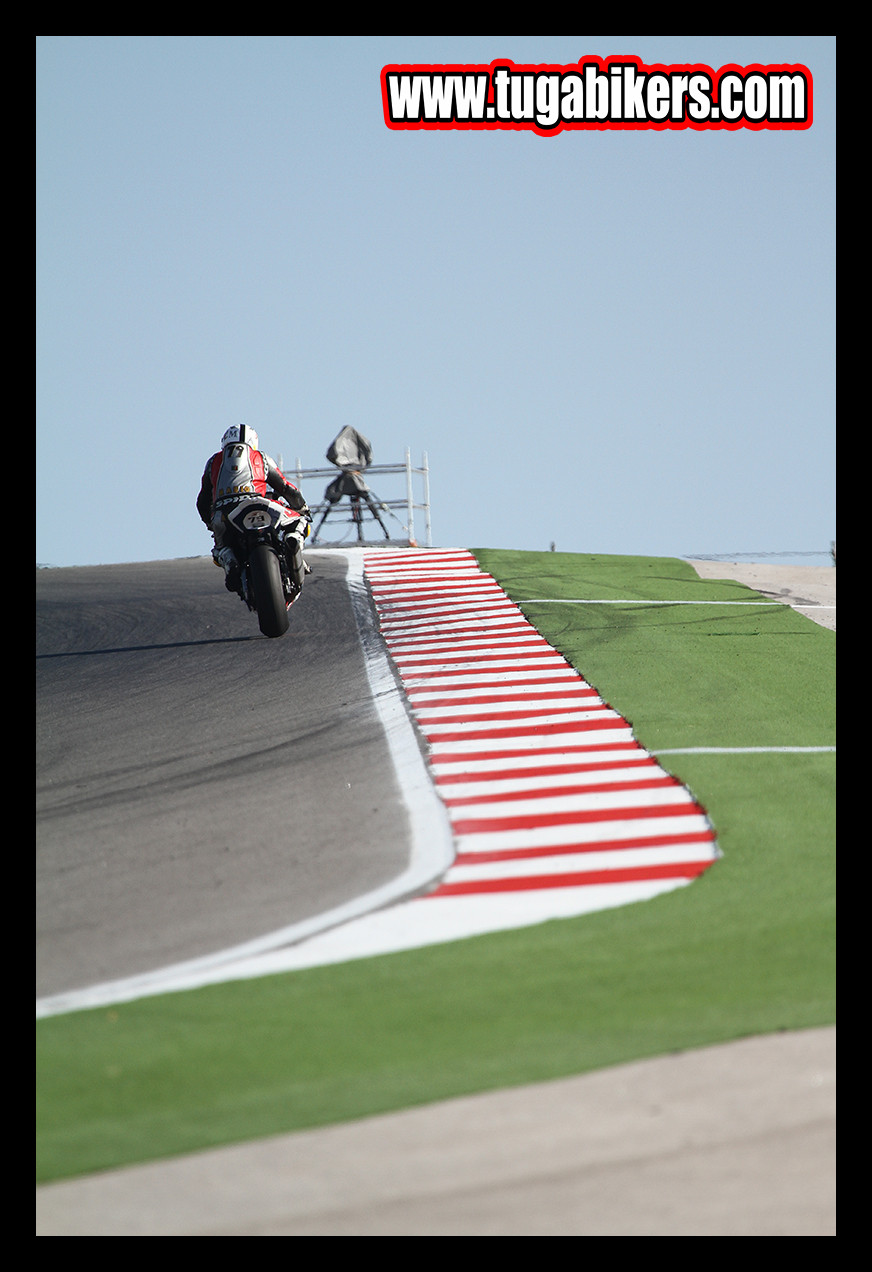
point(748, 948)
point(682, 675)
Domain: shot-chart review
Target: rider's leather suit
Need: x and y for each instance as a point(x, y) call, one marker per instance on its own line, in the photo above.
point(234, 473)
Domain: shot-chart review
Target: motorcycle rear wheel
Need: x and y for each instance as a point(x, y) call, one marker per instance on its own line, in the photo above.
point(266, 578)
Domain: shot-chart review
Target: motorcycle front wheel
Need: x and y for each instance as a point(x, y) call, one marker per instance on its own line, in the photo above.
point(266, 578)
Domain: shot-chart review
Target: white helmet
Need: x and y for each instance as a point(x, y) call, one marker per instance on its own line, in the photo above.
point(240, 433)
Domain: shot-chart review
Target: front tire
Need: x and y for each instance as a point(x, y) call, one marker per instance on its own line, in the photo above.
point(269, 599)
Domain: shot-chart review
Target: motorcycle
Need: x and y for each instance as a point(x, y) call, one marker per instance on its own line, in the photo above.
point(267, 537)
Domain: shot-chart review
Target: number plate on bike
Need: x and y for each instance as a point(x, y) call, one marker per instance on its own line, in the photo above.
point(257, 519)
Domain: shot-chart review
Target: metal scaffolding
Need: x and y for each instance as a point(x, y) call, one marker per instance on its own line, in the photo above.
point(364, 508)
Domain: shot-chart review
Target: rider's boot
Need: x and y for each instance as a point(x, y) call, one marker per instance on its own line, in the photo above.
point(226, 557)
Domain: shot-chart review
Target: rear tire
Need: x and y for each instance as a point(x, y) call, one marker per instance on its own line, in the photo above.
point(269, 598)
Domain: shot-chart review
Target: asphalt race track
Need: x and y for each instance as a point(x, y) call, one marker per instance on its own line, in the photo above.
point(198, 785)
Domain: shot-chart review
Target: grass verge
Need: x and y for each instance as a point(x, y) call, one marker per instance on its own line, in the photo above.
point(746, 949)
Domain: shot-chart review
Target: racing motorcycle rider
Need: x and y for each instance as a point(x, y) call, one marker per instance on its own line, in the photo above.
point(239, 469)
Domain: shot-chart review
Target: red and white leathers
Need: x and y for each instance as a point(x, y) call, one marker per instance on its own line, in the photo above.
point(232, 473)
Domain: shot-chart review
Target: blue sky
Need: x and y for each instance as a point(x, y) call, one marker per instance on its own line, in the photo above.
point(618, 342)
